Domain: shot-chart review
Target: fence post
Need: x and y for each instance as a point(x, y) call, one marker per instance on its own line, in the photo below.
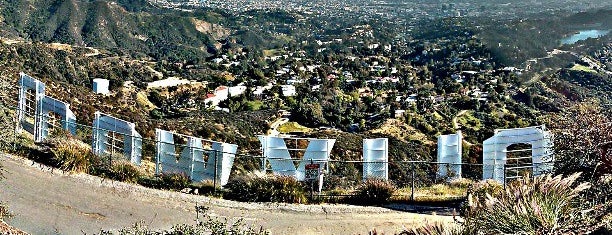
point(157, 151)
point(412, 184)
point(190, 145)
point(505, 176)
point(17, 123)
point(215, 174)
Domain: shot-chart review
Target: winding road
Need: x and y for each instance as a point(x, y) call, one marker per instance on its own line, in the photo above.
point(47, 201)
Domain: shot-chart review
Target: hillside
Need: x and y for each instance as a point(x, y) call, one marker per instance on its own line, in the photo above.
point(354, 79)
point(131, 26)
point(514, 42)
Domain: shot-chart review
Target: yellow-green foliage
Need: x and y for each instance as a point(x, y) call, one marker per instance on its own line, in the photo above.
point(579, 67)
point(468, 120)
point(480, 189)
point(292, 127)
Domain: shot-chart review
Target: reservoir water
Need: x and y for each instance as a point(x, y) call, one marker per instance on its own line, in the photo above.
point(584, 34)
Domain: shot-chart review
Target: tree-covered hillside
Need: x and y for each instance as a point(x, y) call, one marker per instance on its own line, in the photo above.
point(133, 27)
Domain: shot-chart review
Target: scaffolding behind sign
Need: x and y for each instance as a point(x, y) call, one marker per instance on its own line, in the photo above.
point(31, 91)
point(51, 105)
point(191, 160)
point(222, 155)
point(376, 158)
point(276, 152)
point(111, 134)
point(34, 110)
point(495, 152)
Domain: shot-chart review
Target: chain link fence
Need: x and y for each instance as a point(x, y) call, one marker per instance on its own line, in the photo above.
point(338, 174)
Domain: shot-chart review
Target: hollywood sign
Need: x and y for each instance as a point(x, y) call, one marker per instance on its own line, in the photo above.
point(112, 135)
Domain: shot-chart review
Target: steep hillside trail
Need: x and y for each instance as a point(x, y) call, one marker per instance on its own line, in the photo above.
point(455, 123)
point(47, 201)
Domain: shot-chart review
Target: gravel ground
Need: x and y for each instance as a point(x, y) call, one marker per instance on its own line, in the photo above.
point(48, 201)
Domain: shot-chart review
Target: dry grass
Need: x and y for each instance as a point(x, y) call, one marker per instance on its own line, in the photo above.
point(435, 193)
point(71, 155)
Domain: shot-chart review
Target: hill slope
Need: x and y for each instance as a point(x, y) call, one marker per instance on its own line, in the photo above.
point(132, 26)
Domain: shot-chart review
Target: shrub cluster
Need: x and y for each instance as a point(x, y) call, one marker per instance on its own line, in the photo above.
point(125, 171)
point(373, 192)
point(71, 155)
point(269, 188)
point(170, 181)
point(544, 204)
point(479, 190)
point(174, 181)
point(207, 187)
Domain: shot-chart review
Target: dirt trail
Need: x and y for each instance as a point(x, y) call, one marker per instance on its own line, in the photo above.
point(46, 201)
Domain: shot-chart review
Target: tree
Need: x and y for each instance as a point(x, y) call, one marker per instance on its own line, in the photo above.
point(579, 135)
point(309, 114)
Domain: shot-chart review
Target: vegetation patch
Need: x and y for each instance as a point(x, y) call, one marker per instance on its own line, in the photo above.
point(468, 120)
point(456, 189)
point(292, 127)
point(579, 67)
point(401, 131)
point(125, 171)
point(71, 155)
point(4, 211)
point(544, 204)
point(373, 192)
point(269, 188)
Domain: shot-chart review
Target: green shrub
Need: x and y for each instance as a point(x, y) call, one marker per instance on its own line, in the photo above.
point(165, 181)
point(373, 192)
point(174, 181)
point(125, 171)
point(207, 188)
point(243, 188)
point(543, 205)
point(151, 182)
point(100, 166)
point(265, 189)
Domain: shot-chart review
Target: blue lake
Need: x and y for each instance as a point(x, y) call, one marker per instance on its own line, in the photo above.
point(584, 34)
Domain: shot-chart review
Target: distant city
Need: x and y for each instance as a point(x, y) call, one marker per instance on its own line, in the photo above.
point(397, 9)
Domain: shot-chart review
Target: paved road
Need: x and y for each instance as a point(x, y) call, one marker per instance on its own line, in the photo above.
point(50, 202)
